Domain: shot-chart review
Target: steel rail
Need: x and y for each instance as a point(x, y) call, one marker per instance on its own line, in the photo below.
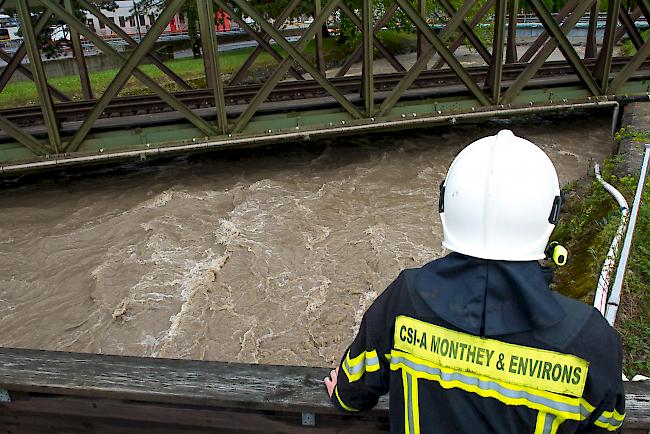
point(288, 90)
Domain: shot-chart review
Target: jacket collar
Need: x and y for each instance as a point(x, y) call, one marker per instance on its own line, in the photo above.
point(488, 298)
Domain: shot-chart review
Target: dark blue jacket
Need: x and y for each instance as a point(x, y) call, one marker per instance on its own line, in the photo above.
point(467, 345)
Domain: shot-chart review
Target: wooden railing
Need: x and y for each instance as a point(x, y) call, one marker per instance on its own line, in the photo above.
point(51, 392)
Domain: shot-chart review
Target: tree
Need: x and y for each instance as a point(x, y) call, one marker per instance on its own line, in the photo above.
point(52, 46)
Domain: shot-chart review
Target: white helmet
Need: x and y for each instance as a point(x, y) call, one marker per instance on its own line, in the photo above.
point(501, 200)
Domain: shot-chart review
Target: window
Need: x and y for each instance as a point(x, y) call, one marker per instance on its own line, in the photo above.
point(91, 24)
point(122, 22)
point(142, 22)
point(102, 25)
point(152, 19)
point(131, 22)
point(181, 18)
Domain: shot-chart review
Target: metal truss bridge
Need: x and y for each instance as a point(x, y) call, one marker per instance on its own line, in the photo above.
point(298, 100)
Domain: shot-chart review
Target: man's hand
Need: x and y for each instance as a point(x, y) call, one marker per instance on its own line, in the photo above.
point(330, 383)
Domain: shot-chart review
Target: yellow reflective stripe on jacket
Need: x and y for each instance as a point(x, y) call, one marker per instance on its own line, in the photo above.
point(367, 361)
point(411, 405)
point(564, 407)
point(515, 364)
point(547, 423)
point(610, 420)
point(343, 404)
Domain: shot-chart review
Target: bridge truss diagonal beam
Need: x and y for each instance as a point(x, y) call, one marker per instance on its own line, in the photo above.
point(125, 72)
point(368, 75)
point(604, 64)
point(44, 97)
point(473, 23)
point(377, 43)
point(297, 55)
point(567, 49)
point(15, 62)
point(280, 19)
point(639, 57)
point(152, 84)
point(422, 62)
point(294, 54)
point(356, 55)
point(590, 46)
point(210, 52)
point(25, 139)
point(436, 45)
point(78, 53)
point(132, 42)
point(469, 33)
point(493, 80)
point(630, 28)
point(541, 39)
point(543, 54)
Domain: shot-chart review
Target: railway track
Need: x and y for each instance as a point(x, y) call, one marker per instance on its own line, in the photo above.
point(285, 91)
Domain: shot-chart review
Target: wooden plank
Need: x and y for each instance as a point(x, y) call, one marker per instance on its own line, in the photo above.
point(70, 412)
point(233, 385)
point(637, 405)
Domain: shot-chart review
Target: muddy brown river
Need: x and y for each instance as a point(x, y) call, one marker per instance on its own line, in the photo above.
point(244, 257)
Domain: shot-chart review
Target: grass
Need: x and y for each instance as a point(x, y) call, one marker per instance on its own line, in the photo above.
point(587, 225)
point(628, 49)
point(24, 93)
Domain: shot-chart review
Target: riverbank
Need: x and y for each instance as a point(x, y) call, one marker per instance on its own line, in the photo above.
point(193, 71)
point(587, 226)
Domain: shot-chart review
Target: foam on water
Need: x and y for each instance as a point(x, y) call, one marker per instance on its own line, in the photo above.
point(267, 260)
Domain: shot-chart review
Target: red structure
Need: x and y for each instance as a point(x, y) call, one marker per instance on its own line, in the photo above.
point(223, 21)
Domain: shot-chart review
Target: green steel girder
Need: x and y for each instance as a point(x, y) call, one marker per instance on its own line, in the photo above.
point(368, 74)
point(124, 73)
point(132, 42)
point(473, 23)
point(358, 52)
point(468, 31)
point(296, 54)
point(441, 48)
point(567, 49)
point(212, 70)
point(306, 125)
point(354, 114)
point(152, 84)
point(604, 65)
point(541, 39)
point(496, 63)
point(279, 72)
point(263, 44)
point(79, 57)
point(44, 97)
point(543, 54)
point(421, 62)
point(377, 43)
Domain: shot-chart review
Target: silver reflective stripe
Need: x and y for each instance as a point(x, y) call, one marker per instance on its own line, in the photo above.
point(610, 421)
point(548, 423)
point(354, 369)
point(360, 367)
point(371, 361)
point(491, 385)
point(409, 393)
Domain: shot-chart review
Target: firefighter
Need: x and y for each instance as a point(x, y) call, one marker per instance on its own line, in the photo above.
point(476, 342)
